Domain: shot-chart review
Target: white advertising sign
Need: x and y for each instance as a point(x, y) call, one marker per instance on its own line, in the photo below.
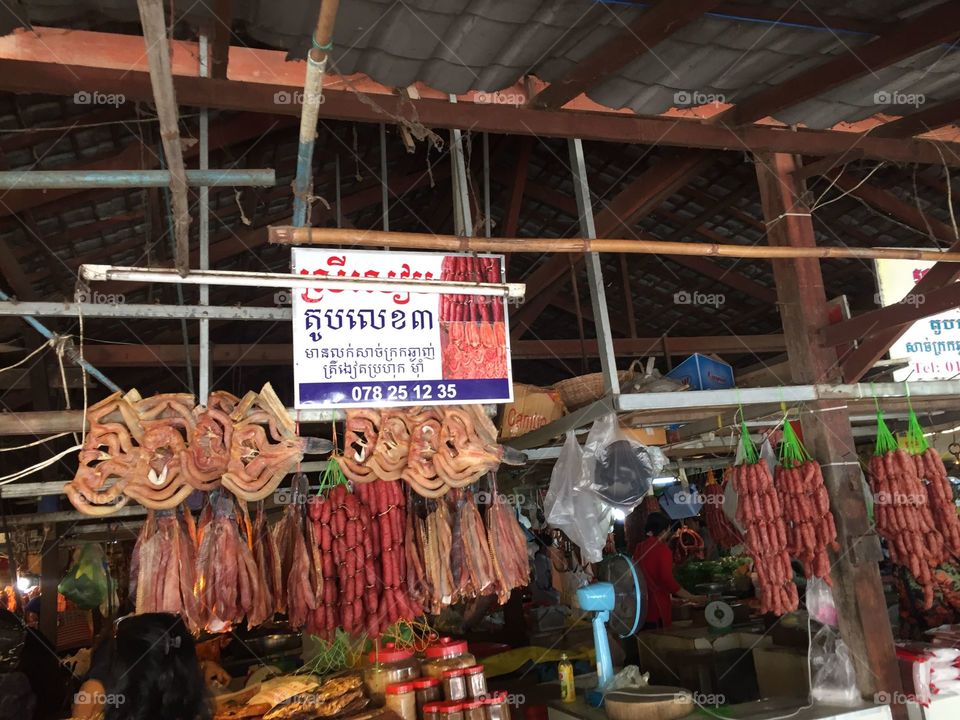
point(931, 345)
point(373, 348)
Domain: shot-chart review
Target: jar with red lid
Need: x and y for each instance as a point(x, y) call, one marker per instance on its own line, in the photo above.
point(474, 710)
point(446, 654)
point(431, 711)
point(386, 666)
point(450, 711)
point(497, 706)
point(454, 684)
point(400, 698)
point(476, 682)
point(427, 690)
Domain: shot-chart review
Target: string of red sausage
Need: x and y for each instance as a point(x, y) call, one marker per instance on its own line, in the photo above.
point(904, 519)
point(810, 525)
point(759, 510)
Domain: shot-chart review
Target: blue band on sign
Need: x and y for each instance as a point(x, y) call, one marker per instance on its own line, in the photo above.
point(404, 392)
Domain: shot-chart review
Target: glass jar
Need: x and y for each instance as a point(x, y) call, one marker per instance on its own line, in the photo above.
point(454, 684)
point(450, 711)
point(431, 711)
point(400, 698)
point(476, 682)
point(446, 654)
point(387, 666)
point(474, 710)
point(427, 690)
point(497, 706)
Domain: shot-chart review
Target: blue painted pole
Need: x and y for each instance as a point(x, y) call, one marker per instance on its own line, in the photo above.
point(79, 179)
point(70, 351)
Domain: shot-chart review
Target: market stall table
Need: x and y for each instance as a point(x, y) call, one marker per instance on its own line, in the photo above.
point(763, 710)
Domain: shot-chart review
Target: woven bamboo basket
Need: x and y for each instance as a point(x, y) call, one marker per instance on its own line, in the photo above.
point(585, 389)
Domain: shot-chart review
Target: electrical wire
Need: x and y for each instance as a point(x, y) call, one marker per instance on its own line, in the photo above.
point(817, 205)
point(41, 441)
point(21, 362)
point(7, 479)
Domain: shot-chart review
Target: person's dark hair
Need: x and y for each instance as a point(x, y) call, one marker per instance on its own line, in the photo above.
point(155, 673)
point(656, 523)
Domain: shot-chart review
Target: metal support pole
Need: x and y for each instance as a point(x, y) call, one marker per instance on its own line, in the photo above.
point(317, 58)
point(183, 323)
point(598, 297)
point(69, 350)
point(204, 337)
point(90, 179)
point(462, 220)
point(384, 184)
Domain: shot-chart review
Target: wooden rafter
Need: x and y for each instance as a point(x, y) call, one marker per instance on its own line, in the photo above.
point(652, 27)
point(516, 188)
point(922, 121)
point(164, 97)
point(220, 38)
point(56, 61)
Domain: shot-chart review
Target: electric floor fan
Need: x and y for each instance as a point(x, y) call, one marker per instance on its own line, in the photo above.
point(618, 599)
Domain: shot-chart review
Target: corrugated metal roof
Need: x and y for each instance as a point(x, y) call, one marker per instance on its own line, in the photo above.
point(462, 45)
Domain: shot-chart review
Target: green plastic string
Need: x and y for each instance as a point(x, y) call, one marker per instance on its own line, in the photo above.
point(915, 441)
point(886, 442)
point(750, 454)
point(332, 476)
point(792, 451)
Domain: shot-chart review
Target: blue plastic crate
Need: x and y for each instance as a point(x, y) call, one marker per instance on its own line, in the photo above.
point(703, 373)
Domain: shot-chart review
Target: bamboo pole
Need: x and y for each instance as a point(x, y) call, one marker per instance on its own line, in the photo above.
point(284, 235)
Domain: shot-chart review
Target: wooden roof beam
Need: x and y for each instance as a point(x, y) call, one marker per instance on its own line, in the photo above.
point(651, 28)
point(57, 61)
point(221, 31)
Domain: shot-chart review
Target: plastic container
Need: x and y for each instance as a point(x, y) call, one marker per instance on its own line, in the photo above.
point(446, 654)
point(497, 706)
point(568, 691)
point(476, 682)
point(401, 698)
point(450, 711)
point(431, 711)
point(388, 666)
point(454, 684)
point(474, 710)
point(427, 690)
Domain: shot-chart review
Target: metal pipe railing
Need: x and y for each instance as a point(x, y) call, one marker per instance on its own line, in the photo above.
point(81, 179)
point(309, 111)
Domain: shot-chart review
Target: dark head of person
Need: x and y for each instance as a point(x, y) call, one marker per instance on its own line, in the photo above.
point(657, 525)
point(154, 672)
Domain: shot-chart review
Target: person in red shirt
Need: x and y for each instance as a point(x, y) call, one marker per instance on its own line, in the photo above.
point(655, 561)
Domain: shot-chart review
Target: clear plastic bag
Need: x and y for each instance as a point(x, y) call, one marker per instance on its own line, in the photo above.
point(820, 603)
point(574, 510)
point(834, 677)
point(616, 468)
point(627, 678)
